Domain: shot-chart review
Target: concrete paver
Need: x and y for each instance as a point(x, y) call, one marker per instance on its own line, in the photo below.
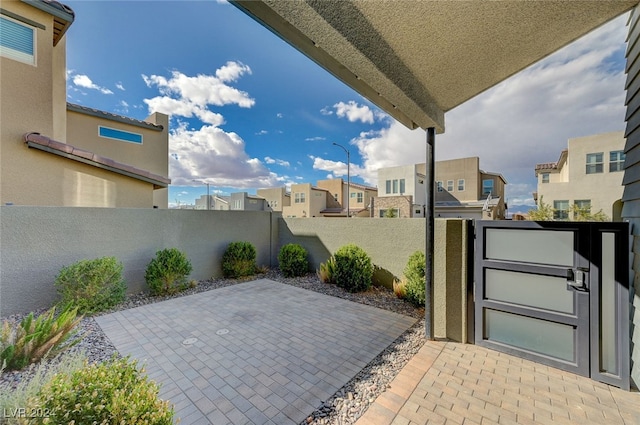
point(257, 352)
point(465, 384)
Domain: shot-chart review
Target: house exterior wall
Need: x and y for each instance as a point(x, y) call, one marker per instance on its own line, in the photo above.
point(276, 198)
point(401, 203)
point(631, 182)
point(27, 104)
point(33, 99)
point(337, 191)
point(467, 169)
point(570, 182)
point(315, 200)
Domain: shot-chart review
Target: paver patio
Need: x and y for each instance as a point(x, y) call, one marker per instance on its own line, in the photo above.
point(258, 352)
point(452, 383)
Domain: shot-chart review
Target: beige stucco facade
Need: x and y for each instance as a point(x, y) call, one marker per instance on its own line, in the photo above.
point(461, 190)
point(276, 198)
point(306, 201)
point(99, 172)
point(571, 179)
point(359, 197)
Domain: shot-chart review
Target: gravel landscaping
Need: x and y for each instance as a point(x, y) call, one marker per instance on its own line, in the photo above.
point(346, 405)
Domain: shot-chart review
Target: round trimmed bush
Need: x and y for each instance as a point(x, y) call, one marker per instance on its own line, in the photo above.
point(92, 285)
point(239, 259)
point(415, 281)
point(167, 273)
point(292, 259)
point(353, 268)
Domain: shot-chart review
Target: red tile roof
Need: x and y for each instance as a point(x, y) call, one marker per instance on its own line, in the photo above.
point(37, 141)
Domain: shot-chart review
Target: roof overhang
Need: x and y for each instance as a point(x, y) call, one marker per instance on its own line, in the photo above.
point(417, 60)
point(63, 16)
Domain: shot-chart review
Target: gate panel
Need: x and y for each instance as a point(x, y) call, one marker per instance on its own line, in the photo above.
point(527, 300)
point(556, 293)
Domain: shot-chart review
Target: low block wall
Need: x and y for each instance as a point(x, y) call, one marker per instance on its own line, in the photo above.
point(36, 242)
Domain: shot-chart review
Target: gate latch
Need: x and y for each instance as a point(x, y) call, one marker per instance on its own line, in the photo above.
point(577, 279)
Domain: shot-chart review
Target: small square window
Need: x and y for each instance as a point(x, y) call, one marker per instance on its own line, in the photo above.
point(439, 186)
point(616, 161)
point(449, 185)
point(545, 178)
point(594, 163)
point(461, 185)
point(561, 210)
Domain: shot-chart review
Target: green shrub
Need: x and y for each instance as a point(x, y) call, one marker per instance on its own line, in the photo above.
point(239, 259)
point(26, 391)
point(34, 338)
point(414, 274)
point(353, 268)
point(167, 273)
point(113, 392)
point(92, 285)
point(292, 259)
point(327, 270)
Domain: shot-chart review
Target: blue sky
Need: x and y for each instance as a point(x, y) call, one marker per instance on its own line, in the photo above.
point(250, 111)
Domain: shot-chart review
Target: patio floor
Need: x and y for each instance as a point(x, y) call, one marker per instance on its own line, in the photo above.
point(258, 352)
point(452, 383)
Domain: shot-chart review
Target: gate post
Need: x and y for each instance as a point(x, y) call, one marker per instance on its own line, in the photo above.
point(429, 244)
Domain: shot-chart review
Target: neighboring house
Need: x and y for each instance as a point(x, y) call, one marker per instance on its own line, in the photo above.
point(462, 190)
point(308, 201)
point(60, 154)
point(587, 175)
point(359, 197)
point(242, 201)
point(275, 198)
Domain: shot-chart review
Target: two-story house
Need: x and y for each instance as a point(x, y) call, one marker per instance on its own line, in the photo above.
point(60, 154)
point(462, 189)
point(276, 198)
point(357, 195)
point(588, 175)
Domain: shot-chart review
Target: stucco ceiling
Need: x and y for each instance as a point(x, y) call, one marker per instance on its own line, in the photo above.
point(417, 59)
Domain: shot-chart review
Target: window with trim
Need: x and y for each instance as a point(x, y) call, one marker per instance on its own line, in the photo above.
point(616, 161)
point(388, 186)
point(360, 197)
point(487, 187)
point(17, 41)
point(395, 185)
point(299, 198)
point(461, 185)
point(561, 210)
point(335, 196)
point(594, 163)
point(545, 177)
point(582, 207)
point(439, 186)
point(449, 185)
point(402, 186)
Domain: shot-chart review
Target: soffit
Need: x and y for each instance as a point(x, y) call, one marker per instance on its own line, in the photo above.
point(418, 59)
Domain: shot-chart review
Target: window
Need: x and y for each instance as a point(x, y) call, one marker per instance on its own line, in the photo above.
point(449, 185)
point(123, 136)
point(439, 186)
point(299, 198)
point(561, 210)
point(395, 186)
point(360, 197)
point(594, 163)
point(582, 208)
point(272, 204)
point(388, 185)
point(390, 213)
point(335, 196)
point(17, 41)
point(487, 187)
point(616, 161)
point(545, 177)
point(460, 185)
point(401, 185)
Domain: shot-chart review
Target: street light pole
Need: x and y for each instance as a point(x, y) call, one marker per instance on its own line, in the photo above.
point(208, 197)
point(348, 177)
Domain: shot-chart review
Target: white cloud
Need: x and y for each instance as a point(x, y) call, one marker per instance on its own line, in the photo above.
point(354, 112)
point(337, 168)
point(280, 162)
point(279, 115)
point(84, 81)
point(214, 156)
point(326, 111)
point(262, 133)
point(315, 139)
point(191, 96)
point(119, 86)
point(523, 121)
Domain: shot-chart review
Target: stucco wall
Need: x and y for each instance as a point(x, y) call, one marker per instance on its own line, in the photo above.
point(35, 242)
